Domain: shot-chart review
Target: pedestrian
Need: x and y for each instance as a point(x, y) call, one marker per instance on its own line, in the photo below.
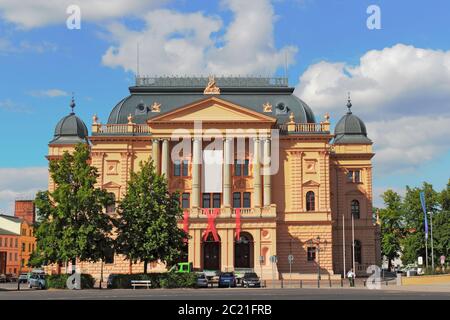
point(351, 277)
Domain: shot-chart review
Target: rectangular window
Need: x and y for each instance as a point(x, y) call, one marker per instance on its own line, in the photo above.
point(29, 247)
point(17, 243)
point(357, 176)
point(350, 176)
point(236, 199)
point(23, 247)
point(246, 164)
point(185, 201)
point(10, 242)
point(22, 263)
point(216, 200)
point(10, 257)
point(1, 242)
point(185, 168)
point(206, 200)
point(176, 168)
point(15, 256)
point(237, 168)
point(246, 200)
point(311, 253)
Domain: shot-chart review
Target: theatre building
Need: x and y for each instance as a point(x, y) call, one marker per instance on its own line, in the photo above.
point(264, 183)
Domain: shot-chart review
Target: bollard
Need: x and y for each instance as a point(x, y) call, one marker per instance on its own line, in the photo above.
point(342, 283)
point(318, 283)
point(330, 282)
point(301, 284)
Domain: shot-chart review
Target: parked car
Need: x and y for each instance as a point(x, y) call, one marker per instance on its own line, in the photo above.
point(2, 278)
point(37, 281)
point(251, 279)
point(202, 281)
point(227, 279)
point(23, 278)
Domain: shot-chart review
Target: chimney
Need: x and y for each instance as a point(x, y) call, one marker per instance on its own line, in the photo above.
point(25, 209)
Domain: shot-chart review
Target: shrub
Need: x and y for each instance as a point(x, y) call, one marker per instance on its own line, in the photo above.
point(158, 280)
point(58, 281)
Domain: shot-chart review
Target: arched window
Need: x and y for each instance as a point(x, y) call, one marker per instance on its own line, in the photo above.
point(355, 209)
point(310, 201)
point(111, 207)
point(358, 256)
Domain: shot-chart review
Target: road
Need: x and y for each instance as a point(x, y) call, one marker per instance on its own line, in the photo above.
point(422, 293)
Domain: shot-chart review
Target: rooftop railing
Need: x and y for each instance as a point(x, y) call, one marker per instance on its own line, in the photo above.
point(192, 82)
point(120, 129)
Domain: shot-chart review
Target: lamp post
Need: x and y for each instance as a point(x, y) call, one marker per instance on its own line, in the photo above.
point(318, 260)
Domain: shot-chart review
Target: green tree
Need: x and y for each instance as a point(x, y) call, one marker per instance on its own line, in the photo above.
point(71, 223)
point(414, 242)
point(392, 225)
point(147, 228)
point(441, 225)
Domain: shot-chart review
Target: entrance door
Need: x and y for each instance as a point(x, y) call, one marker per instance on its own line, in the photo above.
point(243, 252)
point(211, 254)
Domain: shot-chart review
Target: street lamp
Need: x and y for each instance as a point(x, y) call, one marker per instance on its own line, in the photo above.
point(318, 259)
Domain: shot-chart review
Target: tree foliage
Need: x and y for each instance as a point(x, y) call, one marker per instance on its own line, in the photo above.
point(71, 223)
point(391, 220)
point(403, 226)
point(147, 227)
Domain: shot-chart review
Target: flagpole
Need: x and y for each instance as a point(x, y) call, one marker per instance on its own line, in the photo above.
point(432, 252)
point(426, 251)
point(343, 242)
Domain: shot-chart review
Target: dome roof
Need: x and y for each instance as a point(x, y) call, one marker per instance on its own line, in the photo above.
point(70, 130)
point(181, 92)
point(350, 129)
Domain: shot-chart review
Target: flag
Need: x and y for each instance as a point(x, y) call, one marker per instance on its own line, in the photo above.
point(424, 208)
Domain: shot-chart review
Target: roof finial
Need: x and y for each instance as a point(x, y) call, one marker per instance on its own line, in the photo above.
point(349, 104)
point(72, 103)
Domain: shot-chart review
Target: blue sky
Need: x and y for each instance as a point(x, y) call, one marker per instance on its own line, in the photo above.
point(42, 62)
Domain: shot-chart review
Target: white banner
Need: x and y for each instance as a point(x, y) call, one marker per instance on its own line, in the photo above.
point(212, 171)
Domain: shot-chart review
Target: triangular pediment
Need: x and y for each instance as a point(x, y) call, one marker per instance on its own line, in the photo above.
point(111, 185)
point(311, 183)
point(213, 110)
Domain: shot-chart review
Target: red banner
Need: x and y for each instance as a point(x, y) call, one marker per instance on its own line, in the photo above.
point(238, 224)
point(211, 226)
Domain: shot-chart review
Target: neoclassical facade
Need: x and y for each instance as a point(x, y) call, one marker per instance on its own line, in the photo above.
point(263, 184)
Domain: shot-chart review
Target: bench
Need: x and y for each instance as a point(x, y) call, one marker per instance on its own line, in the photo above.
point(141, 283)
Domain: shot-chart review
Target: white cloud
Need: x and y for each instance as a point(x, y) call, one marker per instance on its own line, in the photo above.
point(28, 14)
point(188, 43)
point(11, 106)
point(20, 183)
point(50, 93)
point(8, 47)
point(401, 92)
point(403, 144)
point(387, 83)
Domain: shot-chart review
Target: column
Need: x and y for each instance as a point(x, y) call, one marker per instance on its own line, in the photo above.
point(256, 174)
point(227, 161)
point(155, 154)
point(267, 176)
point(165, 158)
point(196, 160)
